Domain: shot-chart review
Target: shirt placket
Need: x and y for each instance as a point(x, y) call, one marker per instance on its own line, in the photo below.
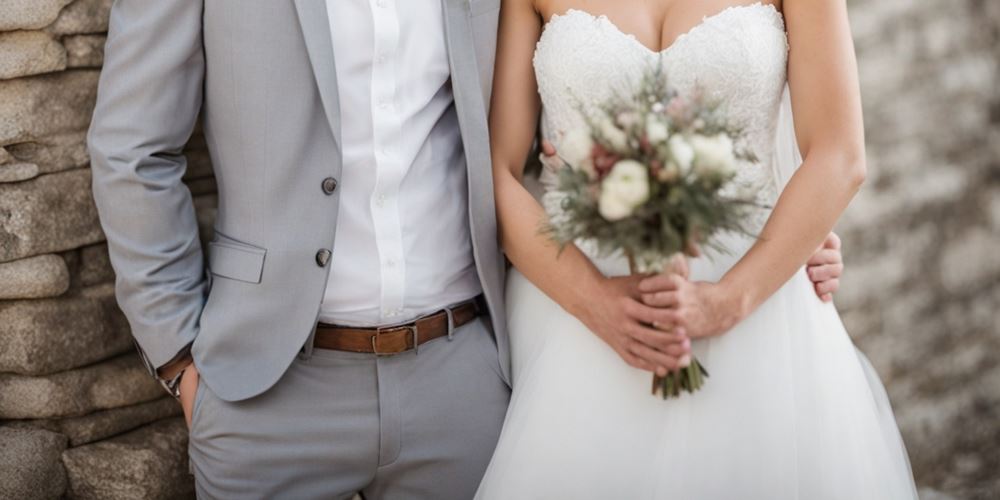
point(389, 169)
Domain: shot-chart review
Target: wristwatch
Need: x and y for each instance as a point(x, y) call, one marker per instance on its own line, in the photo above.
point(173, 385)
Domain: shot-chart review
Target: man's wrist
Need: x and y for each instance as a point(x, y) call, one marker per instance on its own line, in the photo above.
point(171, 369)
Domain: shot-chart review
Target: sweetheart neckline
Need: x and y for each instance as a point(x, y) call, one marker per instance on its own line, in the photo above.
point(693, 29)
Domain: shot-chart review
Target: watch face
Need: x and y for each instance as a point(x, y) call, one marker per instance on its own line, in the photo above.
point(172, 386)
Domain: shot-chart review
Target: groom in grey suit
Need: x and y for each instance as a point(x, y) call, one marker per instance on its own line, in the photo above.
point(347, 333)
point(348, 329)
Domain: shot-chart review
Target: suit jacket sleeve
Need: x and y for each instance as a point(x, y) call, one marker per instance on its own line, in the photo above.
point(149, 97)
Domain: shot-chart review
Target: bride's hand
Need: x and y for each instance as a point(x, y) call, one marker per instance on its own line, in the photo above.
point(697, 308)
point(619, 318)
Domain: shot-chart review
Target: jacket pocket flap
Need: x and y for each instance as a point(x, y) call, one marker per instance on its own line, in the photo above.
point(239, 262)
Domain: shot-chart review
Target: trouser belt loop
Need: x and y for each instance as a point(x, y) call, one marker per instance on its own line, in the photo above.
point(416, 337)
point(305, 352)
point(451, 323)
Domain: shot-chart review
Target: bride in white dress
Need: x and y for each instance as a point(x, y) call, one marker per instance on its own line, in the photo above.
point(790, 411)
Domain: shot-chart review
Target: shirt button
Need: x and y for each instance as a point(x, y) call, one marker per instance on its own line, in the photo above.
point(323, 257)
point(329, 185)
point(381, 3)
point(390, 263)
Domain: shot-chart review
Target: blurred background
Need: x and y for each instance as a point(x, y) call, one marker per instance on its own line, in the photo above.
point(80, 418)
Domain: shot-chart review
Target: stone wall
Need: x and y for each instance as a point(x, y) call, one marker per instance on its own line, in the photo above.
point(79, 416)
point(921, 294)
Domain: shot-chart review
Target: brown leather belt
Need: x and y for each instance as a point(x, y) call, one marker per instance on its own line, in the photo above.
point(385, 340)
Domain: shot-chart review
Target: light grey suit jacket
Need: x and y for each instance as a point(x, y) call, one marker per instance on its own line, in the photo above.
point(262, 74)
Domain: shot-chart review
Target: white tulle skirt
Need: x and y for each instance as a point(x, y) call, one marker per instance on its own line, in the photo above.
point(791, 410)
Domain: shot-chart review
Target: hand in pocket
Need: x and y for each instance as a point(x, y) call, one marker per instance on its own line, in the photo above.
point(187, 390)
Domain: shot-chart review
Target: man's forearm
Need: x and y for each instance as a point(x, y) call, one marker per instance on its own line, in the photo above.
point(148, 100)
point(174, 367)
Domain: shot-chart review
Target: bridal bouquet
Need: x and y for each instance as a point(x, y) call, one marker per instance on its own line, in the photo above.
point(652, 175)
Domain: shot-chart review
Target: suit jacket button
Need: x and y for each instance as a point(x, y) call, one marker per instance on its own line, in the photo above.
point(329, 185)
point(322, 257)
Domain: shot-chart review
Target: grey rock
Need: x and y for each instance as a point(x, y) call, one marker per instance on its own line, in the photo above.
point(105, 423)
point(95, 265)
point(53, 153)
point(48, 214)
point(150, 462)
point(38, 106)
point(121, 381)
point(24, 53)
point(34, 277)
point(971, 260)
point(83, 16)
point(29, 464)
point(52, 335)
point(17, 172)
point(29, 14)
point(84, 51)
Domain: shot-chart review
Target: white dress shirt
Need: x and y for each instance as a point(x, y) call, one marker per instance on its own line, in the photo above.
point(403, 246)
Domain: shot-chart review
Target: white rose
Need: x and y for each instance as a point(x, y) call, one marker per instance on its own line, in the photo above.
point(576, 147)
point(625, 188)
point(682, 152)
point(714, 154)
point(615, 136)
point(656, 130)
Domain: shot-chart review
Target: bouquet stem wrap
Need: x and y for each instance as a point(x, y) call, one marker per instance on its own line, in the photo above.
point(688, 379)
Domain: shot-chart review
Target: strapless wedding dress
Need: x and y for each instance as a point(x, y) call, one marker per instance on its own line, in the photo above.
point(791, 411)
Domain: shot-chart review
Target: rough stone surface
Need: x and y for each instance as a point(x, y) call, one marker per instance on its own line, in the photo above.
point(39, 106)
point(48, 214)
point(148, 463)
point(34, 277)
point(106, 423)
point(53, 153)
point(24, 53)
point(121, 381)
point(92, 265)
point(47, 336)
point(83, 16)
point(16, 172)
point(29, 14)
point(29, 464)
point(921, 294)
point(84, 51)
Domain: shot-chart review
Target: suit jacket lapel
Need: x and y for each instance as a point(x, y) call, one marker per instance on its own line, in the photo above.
point(316, 28)
point(465, 86)
point(472, 121)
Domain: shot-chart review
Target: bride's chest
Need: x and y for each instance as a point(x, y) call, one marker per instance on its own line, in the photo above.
point(737, 56)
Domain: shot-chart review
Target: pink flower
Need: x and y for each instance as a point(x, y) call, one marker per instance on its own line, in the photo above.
point(604, 160)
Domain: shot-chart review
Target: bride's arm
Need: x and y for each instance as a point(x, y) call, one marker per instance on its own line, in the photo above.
point(826, 102)
point(608, 306)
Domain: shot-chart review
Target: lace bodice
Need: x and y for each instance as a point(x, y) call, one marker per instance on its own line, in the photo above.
point(737, 56)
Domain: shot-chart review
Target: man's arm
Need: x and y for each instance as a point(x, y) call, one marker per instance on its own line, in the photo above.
point(148, 100)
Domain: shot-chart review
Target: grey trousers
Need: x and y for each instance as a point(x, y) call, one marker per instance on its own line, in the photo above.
point(413, 425)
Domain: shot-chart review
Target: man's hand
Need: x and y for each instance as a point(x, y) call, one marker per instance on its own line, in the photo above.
point(825, 268)
point(187, 391)
point(549, 157)
point(616, 315)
